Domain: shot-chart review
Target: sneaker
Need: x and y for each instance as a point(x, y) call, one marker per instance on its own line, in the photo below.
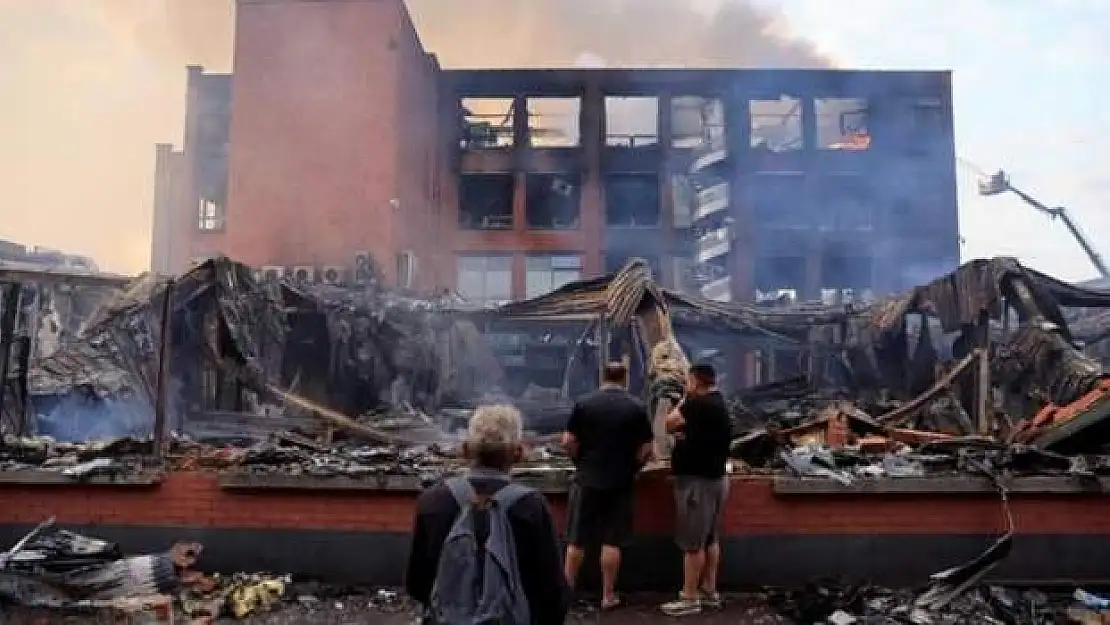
point(682, 607)
point(711, 600)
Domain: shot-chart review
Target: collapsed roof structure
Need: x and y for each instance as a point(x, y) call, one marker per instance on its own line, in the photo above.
point(238, 345)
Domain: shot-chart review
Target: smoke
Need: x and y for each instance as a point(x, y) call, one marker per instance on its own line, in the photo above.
point(623, 33)
point(90, 86)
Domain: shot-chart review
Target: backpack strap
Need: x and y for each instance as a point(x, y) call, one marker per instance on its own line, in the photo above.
point(511, 493)
point(462, 490)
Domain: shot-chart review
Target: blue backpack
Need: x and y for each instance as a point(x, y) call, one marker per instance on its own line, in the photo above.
point(479, 584)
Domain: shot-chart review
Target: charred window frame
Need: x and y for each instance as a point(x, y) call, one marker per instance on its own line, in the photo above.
point(632, 201)
point(486, 123)
point(553, 201)
point(485, 279)
point(697, 122)
point(631, 122)
point(779, 200)
point(486, 201)
point(776, 125)
point(545, 273)
point(553, 122)
point(842, 124)
point(779, 278)
point(927, 125)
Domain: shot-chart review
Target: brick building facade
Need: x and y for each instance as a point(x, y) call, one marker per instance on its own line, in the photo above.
point(342, 137)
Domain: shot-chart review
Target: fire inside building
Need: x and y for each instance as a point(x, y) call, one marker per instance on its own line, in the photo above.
point(738, 185)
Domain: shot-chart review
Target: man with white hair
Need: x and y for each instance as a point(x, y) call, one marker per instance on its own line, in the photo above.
point(494, 443)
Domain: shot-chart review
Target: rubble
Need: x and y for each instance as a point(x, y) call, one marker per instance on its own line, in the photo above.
point(833, 602)
point(114, 458)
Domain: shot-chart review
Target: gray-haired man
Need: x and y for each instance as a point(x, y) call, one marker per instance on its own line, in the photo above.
point(494, 444)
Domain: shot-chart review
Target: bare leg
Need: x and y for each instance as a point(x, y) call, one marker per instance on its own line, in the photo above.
point(712, 564)
point(572, 563)
point(610, 566)
point(693, 563)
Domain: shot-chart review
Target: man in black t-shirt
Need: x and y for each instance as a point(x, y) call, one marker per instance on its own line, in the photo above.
point(702, 430)
point(609, 436)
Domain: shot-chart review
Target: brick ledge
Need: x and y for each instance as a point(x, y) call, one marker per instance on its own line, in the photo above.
point(949, 485)
point(143, 479)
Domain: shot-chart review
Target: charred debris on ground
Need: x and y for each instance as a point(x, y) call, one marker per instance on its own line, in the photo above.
point(326, 380)
point(978, 373)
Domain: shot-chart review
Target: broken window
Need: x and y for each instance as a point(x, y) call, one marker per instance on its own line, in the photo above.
point(844, 201)
point(544, 274)
point(927, 123)
point(632, 200)
point(697, 122)
point(842, 124)
point(553, 201)
point(779, 276)
point(210, 216)
point(553, 122)
point(486, 123)
point(776, 125)
point(631, 122)
point(486, 201)
point(485, 279)
point(779, 200)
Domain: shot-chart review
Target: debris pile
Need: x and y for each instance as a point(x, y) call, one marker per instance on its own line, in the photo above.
point(68, 573)
point(848, 604)
point(114, 458)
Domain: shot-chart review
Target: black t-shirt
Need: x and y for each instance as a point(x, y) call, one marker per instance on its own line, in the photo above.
point(702, 451)
point(610, 426)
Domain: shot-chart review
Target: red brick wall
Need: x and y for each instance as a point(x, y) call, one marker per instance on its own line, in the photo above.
point(420, 141)
point(195, 500)
point(314, 161)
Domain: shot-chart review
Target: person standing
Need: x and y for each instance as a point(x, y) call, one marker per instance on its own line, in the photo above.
point(702, 430)
point(494, 444)
point(610, 439)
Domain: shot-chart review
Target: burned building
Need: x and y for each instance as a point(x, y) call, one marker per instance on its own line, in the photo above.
point(505, 184)
point(190, 192)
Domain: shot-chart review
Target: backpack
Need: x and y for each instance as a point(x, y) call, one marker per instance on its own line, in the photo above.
point(479, 584)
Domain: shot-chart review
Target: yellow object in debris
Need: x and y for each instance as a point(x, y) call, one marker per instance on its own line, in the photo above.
point(249, 598)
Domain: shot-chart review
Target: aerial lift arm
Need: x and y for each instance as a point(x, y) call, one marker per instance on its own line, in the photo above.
point(999, 183)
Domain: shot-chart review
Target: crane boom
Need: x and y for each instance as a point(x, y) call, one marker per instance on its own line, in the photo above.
point(999, 183)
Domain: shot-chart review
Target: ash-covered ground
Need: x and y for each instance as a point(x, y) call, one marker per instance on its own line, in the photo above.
point(370, 609)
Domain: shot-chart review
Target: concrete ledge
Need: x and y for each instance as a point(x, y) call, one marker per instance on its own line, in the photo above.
point(952, 485)
point(144, 479)
point(245, 481)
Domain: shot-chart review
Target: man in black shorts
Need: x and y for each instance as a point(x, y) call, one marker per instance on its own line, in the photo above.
point(702, 430)
point(609, 436)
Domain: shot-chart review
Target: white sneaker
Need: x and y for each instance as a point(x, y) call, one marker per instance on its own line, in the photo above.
point(682, 607)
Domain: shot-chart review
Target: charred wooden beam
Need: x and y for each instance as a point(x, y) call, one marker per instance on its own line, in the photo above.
point(7, 334)
point(161, 399)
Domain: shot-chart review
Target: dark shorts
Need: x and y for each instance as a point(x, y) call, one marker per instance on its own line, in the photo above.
point(599, 516)
point(699, 505)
